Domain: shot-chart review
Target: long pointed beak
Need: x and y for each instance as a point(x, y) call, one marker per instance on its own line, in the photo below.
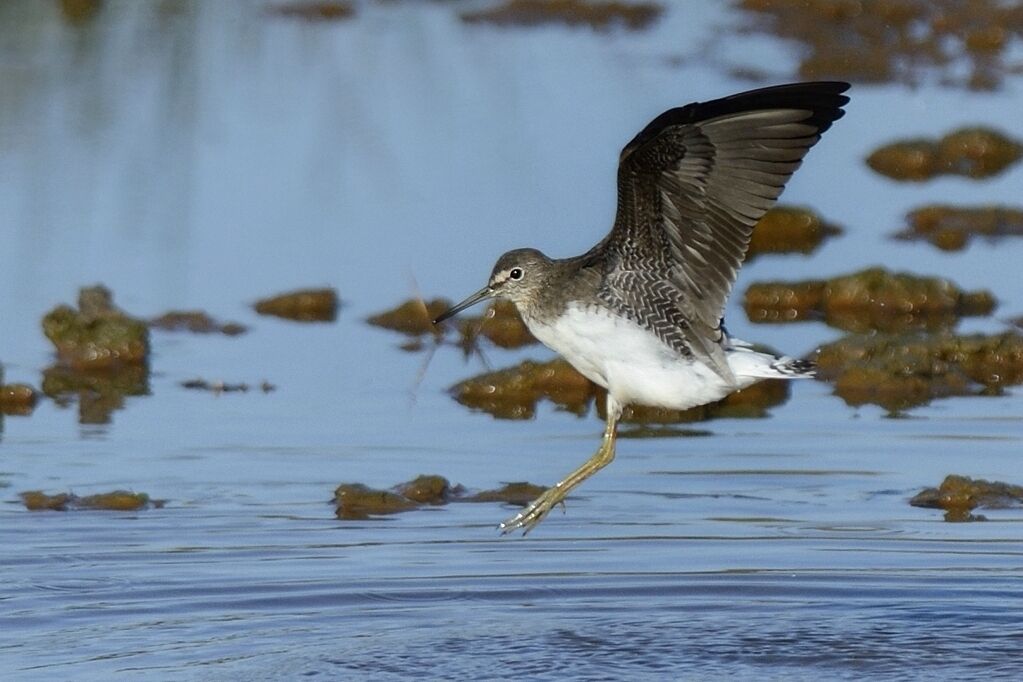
point(480, 295)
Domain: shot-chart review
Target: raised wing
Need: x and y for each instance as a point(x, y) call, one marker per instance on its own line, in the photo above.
point(694, 183)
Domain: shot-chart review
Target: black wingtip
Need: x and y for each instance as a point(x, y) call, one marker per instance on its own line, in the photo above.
point(823, 98)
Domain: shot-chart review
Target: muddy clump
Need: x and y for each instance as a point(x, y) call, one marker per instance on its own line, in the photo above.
point(971, 152)
point(597, 15)
point(218, 387)
point(97, 336)
point(358, 501)
point(900, 371)
point(315, 11)
point(519, 493)
point(426, 489)
point(514, 392)
point(195, 321)
point(414, 317)
point(960, 495)
point(16, 399)
point(966, 44)
point(789, 229)
point(117, 500)
point(500, 323)
point(872, 299)
point(99, 391)
point(951, 228)
point(80, 12)
point(303, 305)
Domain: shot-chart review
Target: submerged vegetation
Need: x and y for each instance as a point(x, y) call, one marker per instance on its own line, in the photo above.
point(117, 500)
point(971, 152)
point(952, 228)
point(899, 371)
point(515, 392)
point(599, 15)
point(356, 501)
point(971, 44)
point(960, 495)
point(303, 305)
point(870, 299)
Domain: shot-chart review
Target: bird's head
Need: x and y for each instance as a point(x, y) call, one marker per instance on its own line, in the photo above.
point(518, 276)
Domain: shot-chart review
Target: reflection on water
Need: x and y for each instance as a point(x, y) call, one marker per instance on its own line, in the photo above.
point(198, 155)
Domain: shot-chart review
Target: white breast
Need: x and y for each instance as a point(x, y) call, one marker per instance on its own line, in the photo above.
point(637, 367)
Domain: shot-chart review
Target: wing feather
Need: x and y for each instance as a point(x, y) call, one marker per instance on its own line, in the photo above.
point(691, 187)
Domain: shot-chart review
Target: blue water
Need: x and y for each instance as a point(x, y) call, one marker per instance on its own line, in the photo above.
point(207, 154)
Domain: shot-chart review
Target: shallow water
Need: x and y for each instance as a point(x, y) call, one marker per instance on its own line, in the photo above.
point(205, 155)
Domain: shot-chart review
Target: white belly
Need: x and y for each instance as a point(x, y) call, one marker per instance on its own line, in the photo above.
point(637, 367)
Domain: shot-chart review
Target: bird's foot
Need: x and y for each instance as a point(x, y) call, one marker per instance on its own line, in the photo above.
point(534, 513)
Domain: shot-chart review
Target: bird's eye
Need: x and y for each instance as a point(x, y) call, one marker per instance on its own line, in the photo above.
point(516, 273)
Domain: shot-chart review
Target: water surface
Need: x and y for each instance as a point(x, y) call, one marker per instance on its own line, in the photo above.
point(207, 154)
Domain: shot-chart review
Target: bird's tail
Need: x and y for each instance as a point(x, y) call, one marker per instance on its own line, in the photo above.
point(795, 368)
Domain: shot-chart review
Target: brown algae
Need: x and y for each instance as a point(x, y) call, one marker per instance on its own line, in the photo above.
point(225, 387)
point(303, 305)
point(426, 489)
point(514, 392)
point(899, 371)
point(519, 493)
point(16, 399)
point(99, 391)
point(872, 299)
point(951, 228)
point(969, 44)
point(414, 317)
point(790, 229)
point(358, 501)
point(971, 152)
point(595, 14)
point(501, 324)
point(316, 11)
point(960, 495)
point(97, 336)
point(117, 500)
point(195, 321)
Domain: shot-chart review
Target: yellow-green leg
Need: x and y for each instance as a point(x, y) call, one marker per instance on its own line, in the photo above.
point(533, 514)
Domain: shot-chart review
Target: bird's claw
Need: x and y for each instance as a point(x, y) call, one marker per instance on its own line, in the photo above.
point(534, 513)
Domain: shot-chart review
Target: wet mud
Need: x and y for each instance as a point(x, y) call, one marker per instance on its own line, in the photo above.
point(960, 495)
point(900, 371)
point(303, 305)
point(500, 324)
point(358, 501)
point(96, 336)
point(99, 392)
point(952, 228)
point(117, 500)
point(414, 317)
point(970, 152)
point(515, 392)
point(315, 11)
point(595, 14)
point(790, 229)
point(226, 387)
point(872, 299)
point(16, 399)
point(195, 321)
point(964, 44)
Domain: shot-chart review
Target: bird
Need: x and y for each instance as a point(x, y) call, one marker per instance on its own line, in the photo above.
point(641, 313)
